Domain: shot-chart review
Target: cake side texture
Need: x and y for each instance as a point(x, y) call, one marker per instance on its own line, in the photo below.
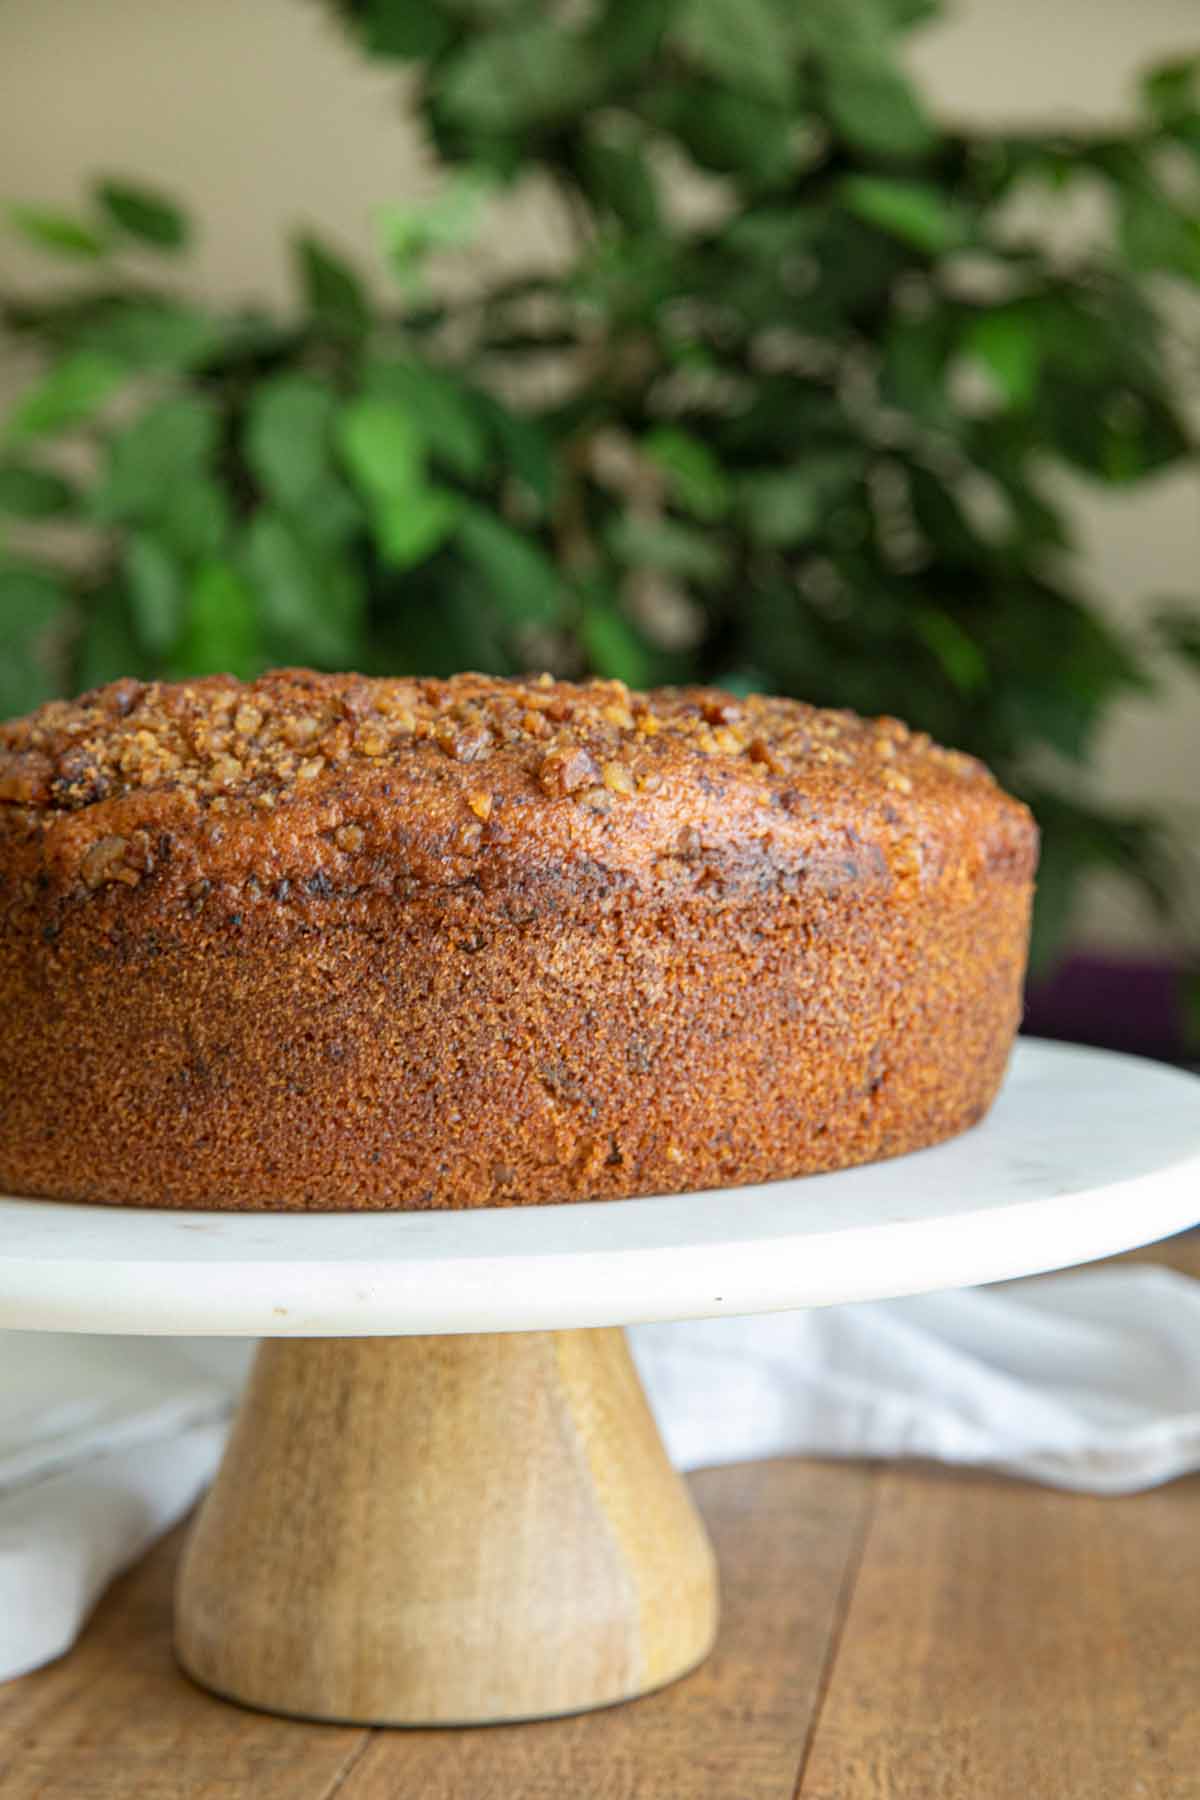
point(322, 942)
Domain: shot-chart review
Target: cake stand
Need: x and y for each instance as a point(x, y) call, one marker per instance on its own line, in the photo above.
point(444, 1500)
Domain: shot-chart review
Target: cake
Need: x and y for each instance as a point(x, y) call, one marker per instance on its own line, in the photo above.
point(328, 942)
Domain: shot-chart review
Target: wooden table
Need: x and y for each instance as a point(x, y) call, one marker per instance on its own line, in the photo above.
point(889, 1634)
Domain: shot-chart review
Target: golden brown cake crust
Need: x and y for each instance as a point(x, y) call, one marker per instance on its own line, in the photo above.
point(328, 942)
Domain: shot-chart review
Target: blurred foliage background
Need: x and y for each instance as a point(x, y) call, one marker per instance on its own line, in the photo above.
point(787, 417)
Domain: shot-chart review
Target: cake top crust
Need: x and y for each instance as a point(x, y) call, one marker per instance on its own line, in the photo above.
point(297, 765)
point(272, 741)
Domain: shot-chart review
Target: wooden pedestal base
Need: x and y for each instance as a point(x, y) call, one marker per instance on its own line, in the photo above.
point(444, 1531)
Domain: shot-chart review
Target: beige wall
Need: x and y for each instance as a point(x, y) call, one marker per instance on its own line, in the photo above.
point(259, 115)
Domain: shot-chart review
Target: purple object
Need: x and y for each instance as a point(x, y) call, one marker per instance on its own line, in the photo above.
point(1119, 1003)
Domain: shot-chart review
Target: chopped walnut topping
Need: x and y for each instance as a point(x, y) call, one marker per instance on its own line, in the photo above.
point(465, 743)
point(18, 785)
point(226, 771)
point(219, 746)
point(761, 752)
point(595, 799)
point(564, 771)
point(105, 861)
point(300, 732)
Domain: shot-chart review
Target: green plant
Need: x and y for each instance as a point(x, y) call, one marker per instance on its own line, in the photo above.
point(807, 443)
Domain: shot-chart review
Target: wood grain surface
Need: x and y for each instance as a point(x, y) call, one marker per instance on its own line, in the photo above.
point(445, 1530)
point(888, 1634)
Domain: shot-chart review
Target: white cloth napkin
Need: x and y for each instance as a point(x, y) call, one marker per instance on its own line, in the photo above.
point(1088, 1381)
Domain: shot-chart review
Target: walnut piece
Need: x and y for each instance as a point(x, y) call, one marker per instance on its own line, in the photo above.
point(566, 770)
point(105, 861)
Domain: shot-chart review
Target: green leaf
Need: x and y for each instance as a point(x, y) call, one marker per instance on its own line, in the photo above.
point(414, 33)
point(194, 519)
point(156, 592)
point(409, 529)
point(939, 515)
point(1056, 665)
point(289, 432)
point(914, 211)
point(916, 355)
point(107, 648)
point(525, 448)
point(309, 616)
point(696, 479)
point(1119, 433)
point(446, 222)
point(1076, 839)
point(1156, 234)
point(33, 605)
point(333, 291)
point(614, 648)
point(668, 544)
point(627, 34)
point(1010, 352)
point(31, 599)
point(152, 334)
point(28, 492)
point(57, 231)
point(385, 455)
point(745, 42)
point(447, 416)
point(1107, 334)
point(875, 108)
point(1171, 91)
point(903, 15)
point(382, 448)
point(785, 506)
point(144, 214)
point(68, 394)
point(730, 132)
point(332, 515)
point(520, 577)
point(1176, 624)
point(430, 622)
point(169, 444)
point(517, 77)
point(221, 629)
point(835, 28)
point(619, 180)
point(958, 655)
